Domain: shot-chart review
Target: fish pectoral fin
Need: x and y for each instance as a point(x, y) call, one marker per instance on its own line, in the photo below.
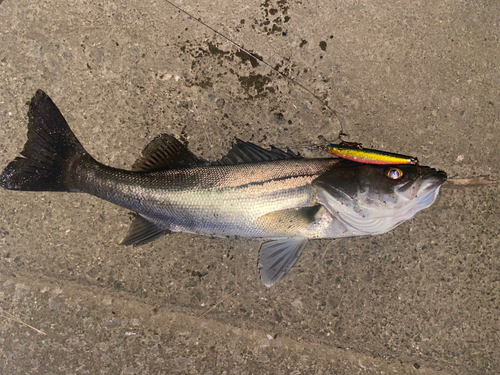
point(165, 152)
point(276, 258)
point(143, 231)
point(289, 221)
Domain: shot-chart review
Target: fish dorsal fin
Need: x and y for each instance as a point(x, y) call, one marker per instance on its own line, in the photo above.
point(276, 258)
point(246, 152)
point(143, 231)
point(165, 152)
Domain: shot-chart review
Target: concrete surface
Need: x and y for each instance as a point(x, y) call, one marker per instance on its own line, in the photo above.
point(416, 77)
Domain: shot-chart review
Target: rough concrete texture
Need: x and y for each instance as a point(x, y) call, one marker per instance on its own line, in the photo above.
point(415, 77)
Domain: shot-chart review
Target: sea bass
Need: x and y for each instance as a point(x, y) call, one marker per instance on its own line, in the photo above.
point(276, 196)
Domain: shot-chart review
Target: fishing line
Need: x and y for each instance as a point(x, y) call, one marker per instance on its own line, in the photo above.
point(345, 150)
point(251, 55)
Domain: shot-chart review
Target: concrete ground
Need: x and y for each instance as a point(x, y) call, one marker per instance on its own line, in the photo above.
point(415, 77)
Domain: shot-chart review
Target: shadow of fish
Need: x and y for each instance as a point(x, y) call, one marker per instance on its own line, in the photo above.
point(272, 195)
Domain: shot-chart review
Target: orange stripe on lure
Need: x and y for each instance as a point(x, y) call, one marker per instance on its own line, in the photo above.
point(356, 152)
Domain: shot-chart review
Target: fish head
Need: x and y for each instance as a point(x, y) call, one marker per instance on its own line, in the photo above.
point(373, 199)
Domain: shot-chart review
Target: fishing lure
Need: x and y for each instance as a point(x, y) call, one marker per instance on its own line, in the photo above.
point(356, 152)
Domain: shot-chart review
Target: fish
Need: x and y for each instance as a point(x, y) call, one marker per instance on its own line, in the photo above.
point(275, 196)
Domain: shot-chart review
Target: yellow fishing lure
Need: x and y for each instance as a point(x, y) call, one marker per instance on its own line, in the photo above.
point(356, 152)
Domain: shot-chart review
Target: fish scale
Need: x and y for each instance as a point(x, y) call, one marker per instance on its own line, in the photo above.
point(206, 199)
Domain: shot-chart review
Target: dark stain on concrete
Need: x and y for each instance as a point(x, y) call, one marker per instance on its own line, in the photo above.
point(256, 82)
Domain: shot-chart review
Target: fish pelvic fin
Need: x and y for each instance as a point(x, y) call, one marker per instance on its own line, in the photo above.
point(276, 258)
point(48, 154)
point(143, 231)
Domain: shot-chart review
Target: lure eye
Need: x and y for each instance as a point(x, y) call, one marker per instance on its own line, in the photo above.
point(394, 173)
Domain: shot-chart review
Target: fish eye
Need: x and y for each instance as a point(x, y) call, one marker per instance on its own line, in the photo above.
point(394, 173)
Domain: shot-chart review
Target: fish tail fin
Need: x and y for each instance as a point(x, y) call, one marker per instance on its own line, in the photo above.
point(49, 153)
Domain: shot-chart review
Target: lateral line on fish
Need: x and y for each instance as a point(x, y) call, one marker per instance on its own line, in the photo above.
point(258, 58)
point(309, 176)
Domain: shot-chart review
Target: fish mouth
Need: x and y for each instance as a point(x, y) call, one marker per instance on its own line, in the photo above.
point(429, 172)
point(424, 189)
point(432, 177)
point(429, 189)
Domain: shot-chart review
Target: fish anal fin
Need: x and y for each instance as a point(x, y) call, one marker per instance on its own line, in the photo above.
point(165, 152)
point(289, 221)
point(276, 258)
point(143, 231)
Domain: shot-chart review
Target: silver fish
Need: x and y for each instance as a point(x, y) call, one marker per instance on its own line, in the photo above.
point(272, 195)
